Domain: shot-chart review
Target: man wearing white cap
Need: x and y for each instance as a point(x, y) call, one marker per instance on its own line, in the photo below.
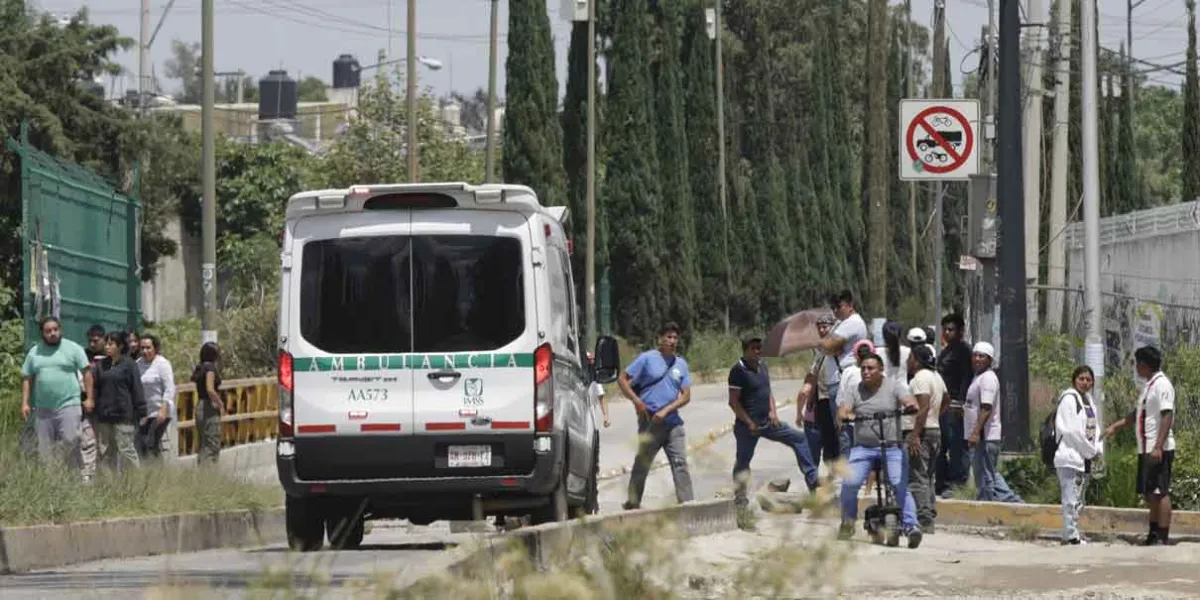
point(981, 419)
point(918, 337)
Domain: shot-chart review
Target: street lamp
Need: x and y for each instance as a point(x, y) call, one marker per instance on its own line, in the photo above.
point(432, 64)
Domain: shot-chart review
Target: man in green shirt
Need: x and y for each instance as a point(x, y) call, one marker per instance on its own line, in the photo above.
point(50, 390)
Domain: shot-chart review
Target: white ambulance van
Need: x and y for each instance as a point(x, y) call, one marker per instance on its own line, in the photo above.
point(431, 365)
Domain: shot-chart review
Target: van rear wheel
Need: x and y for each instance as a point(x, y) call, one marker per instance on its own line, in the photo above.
point(346, 527)
point(304, 523)
point(559, 508)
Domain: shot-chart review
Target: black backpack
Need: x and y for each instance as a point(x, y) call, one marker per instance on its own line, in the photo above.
point(1048, 436)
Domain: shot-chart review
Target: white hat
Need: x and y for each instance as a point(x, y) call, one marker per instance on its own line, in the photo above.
point(985, 349)
point(916, 335)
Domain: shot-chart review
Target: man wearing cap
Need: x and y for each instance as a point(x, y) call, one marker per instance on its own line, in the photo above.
point(917, 336)
point(755, 416)
point(981, 420)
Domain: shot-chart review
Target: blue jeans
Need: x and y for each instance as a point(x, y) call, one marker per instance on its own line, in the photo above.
point(953, 458)
point(990, 483)
point(812, 434)
point(784, 434)
point(861, 462)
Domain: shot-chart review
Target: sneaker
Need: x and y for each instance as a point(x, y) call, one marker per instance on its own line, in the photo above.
point(846, 531)
point(1075, 542)
point(1152, 540)
point(630, 506)
point(914, 537)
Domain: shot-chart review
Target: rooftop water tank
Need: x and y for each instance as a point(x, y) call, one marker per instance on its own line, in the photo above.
point(276, 96)
point(347, 73)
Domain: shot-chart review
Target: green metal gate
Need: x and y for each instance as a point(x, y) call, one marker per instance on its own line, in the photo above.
point(80, 247)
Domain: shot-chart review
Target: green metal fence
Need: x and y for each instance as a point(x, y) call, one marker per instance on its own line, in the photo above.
point(80, 246)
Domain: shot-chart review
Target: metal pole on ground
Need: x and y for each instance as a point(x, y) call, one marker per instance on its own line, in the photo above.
point(411, 93)
point(1094, 343)
point(591, 174)
point(208, 266)
point(1013, 351)
point(493, 52)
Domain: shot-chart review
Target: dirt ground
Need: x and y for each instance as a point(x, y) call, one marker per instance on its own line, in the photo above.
point(790, 556)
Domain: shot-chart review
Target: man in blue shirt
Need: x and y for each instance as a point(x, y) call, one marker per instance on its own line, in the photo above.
point(754, 408)
point(659, 384)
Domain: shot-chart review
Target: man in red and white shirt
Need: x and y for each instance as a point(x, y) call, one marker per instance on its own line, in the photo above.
point(1154, 416)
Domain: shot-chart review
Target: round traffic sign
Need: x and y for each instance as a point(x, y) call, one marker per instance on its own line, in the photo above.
point(939, 140)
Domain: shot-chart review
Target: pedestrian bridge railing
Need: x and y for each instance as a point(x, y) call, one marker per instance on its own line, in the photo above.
point(252, 413)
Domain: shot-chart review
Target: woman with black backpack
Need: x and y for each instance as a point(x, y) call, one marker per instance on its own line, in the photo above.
point(1077, 433)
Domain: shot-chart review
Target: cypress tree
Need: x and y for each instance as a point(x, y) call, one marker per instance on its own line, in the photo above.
point(902, 280)
point(700, 111)
point(878, 139)
point(1191, 114)
point(574, 161)
point(532, 133)
point(678, 221)
point(631, 186)
point(1125, 164)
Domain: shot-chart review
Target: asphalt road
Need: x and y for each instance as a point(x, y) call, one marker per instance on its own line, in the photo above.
point(397, 551)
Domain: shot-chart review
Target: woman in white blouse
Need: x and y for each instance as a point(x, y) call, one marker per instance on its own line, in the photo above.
point(1077, 426)
point(156, 431)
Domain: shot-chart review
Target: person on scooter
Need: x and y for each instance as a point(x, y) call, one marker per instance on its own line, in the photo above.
point(875, 394)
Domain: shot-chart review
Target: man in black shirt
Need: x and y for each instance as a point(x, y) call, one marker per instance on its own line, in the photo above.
point(954, 365)
point(754, 408)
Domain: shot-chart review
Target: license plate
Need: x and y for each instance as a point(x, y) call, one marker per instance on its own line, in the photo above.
point(469, 456)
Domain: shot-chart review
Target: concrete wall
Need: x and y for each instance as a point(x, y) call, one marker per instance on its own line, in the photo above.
point(175, 290)
point(1150, 275)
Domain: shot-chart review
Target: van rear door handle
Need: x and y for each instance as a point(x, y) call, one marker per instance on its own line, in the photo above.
point(444, 374)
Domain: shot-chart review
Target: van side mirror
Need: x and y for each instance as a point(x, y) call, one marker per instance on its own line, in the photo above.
point(608, 360)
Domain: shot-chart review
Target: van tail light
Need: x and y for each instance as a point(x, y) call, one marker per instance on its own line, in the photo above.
point(286, 383)
point(543, 389)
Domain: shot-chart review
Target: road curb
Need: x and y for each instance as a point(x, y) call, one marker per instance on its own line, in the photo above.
point(553, 539)
point(47, 546)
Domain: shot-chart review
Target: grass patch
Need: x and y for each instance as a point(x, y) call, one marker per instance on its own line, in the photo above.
point(1025, 532)
point(34, 493)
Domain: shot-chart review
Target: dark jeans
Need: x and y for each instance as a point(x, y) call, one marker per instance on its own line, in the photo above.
point(828, 440)
point(782, 433)
point(953, 459)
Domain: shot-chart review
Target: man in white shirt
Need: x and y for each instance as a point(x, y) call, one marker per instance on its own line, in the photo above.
point(981, 419)
point(849, 330)
point(922, 431)
point(1154, 415)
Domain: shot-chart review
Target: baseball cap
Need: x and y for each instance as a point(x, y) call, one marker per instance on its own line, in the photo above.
point(916, 335)
point(826, 320)
point(750, 340)
point(985, 349)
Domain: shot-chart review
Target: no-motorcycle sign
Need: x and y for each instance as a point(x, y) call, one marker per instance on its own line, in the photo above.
point(939, 139)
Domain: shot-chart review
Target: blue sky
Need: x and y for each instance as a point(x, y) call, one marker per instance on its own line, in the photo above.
point(304, 36)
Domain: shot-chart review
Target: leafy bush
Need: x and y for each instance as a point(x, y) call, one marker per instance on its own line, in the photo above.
point(245, 335)
point(1030, 479)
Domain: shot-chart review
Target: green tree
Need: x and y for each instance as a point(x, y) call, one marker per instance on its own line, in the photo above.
point(678, 224)
point(700, 113)
point(532, 133)
point(1191, 114)
point(184, 67)
point(878, 140)
point(631, 186)
point(311, 89)
point(574, 160)
point(370, 149)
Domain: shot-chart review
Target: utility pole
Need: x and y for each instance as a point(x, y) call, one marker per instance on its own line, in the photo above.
point(908, 93)
point(1014, 354)
point(1094, 343)
point(493, 52)
point(939, 85)
point(591, 174)
point(1056, 262)
point(144, 58)
point(721, 177)
point(1129, 47)
point(208, 173)
point(1032, 155)
point(410, 99)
